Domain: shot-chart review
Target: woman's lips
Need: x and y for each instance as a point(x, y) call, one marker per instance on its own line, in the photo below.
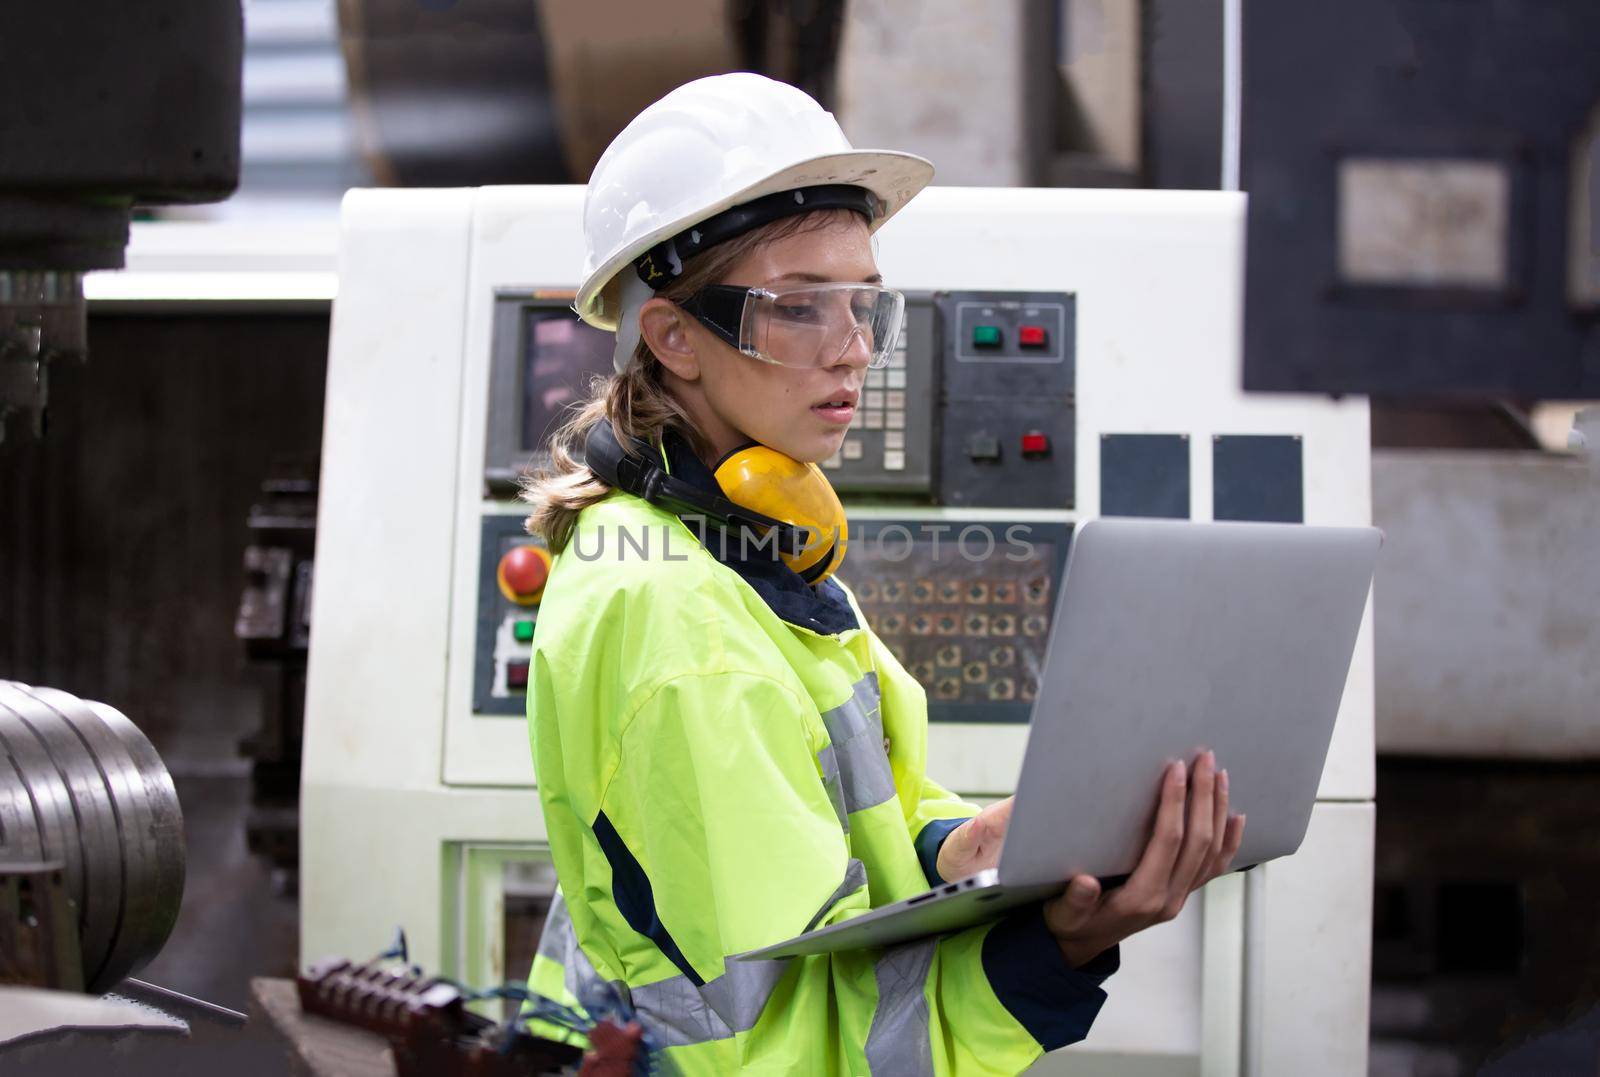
point(841, 415)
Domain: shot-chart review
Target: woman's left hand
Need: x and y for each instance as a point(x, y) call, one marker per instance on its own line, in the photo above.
point(975, 844)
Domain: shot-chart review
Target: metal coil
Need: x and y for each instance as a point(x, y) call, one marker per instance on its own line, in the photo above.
point(80, 784)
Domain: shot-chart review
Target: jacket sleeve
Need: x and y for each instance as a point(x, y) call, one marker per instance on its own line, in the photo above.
point(937, 814)
point(719, 838)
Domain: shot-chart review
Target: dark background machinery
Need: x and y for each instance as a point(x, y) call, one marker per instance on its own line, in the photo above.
point(1425, 210)
point(149, 114)
point(121, 535)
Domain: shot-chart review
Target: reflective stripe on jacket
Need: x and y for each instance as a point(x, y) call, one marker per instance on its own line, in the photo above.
point(716, 779)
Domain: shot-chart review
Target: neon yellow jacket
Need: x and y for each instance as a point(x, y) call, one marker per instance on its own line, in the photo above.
point(716, 778)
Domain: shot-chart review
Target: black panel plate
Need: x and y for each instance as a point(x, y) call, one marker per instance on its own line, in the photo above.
point(1144, 475)
point(1258, 477)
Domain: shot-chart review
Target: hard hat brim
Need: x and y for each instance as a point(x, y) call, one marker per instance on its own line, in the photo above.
point(893, 176)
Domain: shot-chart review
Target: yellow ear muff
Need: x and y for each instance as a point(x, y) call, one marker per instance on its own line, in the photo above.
point(780, 486)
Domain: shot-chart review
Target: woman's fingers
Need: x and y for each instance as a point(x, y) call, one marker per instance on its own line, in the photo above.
point(1071, 912)
point(1230, 846)
point(989, 831)
point(1196, 851)
point(1219, 819)
point(996, 820)
point(976, 844)
point(1233, 835)
point(1153, 873)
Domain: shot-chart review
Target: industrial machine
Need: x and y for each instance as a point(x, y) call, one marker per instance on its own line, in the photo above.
point(102, 106)
point(1067, 354)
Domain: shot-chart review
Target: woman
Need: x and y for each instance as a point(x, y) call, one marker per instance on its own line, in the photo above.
point(726, 754)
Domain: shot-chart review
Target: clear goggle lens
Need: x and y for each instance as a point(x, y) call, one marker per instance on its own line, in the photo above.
point(807, 326)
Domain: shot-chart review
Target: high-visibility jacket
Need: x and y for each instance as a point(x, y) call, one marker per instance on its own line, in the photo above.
point(717, 777)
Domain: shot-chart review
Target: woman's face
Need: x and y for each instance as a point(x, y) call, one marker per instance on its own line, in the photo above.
point(734, 398)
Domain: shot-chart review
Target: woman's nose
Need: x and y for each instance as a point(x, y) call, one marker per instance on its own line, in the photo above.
point(856, 349)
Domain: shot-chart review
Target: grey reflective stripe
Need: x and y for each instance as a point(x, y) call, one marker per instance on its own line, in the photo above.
point(856, 729)
point(855, 877)
point(828, 762)
point(559, 943)
point(898, 1044)
point(675, 1009)
point(557, 924)
point(682, 1014)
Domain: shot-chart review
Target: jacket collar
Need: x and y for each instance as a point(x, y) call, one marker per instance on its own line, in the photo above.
point(824, 609)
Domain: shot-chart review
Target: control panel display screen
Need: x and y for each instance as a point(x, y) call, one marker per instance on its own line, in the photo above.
point(560, 355)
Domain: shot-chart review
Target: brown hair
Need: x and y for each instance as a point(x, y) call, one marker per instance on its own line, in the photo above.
point(635, 402)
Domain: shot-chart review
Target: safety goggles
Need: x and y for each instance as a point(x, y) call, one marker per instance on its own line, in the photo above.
point(805, 326)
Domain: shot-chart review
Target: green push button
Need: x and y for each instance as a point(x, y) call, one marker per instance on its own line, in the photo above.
point(986, 336)
point(522, 631)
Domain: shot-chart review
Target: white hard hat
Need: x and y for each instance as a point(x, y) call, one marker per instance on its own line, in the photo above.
point(707, 146)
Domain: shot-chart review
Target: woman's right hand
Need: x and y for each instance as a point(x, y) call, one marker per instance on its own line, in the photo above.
point(1189, 846)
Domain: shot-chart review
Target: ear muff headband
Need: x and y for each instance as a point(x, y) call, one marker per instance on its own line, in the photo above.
point(641, 474)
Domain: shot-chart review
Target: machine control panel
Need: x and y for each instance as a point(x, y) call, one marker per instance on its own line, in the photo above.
point(511, 579)
point(976, 405)
point(1007, 399)
point(975, 408)
point(965, 606)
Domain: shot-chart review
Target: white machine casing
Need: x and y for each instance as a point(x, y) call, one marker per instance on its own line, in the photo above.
point(403, 786)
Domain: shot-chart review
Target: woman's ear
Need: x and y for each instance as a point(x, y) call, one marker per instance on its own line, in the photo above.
point(664, 327)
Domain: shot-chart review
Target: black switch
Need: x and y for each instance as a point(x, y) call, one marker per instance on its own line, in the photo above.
point(983, 447)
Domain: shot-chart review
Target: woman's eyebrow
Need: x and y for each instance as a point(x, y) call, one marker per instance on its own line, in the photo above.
point(816, 278)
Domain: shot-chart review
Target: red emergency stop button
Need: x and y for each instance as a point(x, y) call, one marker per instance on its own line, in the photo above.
point(522, 574)
point(1035, 444)
point(1031, 336)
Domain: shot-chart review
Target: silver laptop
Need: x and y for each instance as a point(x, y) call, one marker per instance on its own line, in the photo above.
point(1169, 638)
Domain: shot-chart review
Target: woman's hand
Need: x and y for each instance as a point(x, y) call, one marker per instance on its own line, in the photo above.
point(975, 844)
point(1188, 847)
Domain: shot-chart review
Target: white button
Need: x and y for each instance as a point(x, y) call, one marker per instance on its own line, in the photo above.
point(894, 439)
point(832, 461)
point(874, 420)
point(875, 379)
point(895, 420)
point(852, 448)
point(895, 398)
point(872, 399)
point(894, 461)
point(897, 379)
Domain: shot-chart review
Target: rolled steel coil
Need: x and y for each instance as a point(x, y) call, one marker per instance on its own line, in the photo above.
point(80, 784)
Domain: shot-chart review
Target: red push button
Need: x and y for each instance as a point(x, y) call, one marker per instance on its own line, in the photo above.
point(522, 573)
point(517, 675)
point(1031, 336)
point(1035, 443)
